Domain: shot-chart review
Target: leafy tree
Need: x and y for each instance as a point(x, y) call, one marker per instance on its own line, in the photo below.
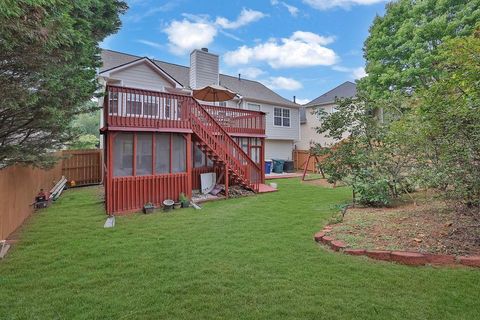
point(403, 44)
point(373, 159)
point(48, 59)
point(88, 123)
point(449, 117)
point(85, 141)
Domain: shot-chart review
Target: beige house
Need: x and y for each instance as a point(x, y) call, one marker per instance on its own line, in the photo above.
point(309, 121)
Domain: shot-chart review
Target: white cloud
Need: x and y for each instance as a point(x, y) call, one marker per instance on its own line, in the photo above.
point(185, 35)
point(153, 10)
point(359, 73)
point(302, 101)
point(246, 16)
point(346, 4)
point(292, 9)
point(251, 72)
point(282, 83)
point(355, 73)
point(302, 49)
point(197, 31)
point(152, 44)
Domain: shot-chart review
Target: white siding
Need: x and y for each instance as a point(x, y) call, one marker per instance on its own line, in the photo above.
point(141, 76)
point(308, 130)
point(278, 149)
point(279, 133)
point(204, 69)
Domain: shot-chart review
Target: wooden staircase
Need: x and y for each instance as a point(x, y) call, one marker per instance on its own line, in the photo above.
point(222, 149)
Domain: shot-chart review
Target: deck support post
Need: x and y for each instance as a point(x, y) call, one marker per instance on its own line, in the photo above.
point(188, 137)
point(226, 180)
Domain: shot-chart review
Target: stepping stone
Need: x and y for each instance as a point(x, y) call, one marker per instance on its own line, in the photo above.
point(110, 223)
point(3, 250)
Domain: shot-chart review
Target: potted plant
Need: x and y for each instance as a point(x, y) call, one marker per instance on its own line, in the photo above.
point(184, 200)
point(148, 207)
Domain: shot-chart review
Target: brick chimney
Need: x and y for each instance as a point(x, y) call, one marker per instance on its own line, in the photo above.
point(204, 68)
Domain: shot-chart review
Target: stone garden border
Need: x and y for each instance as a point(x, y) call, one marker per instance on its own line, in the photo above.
point(402, 257)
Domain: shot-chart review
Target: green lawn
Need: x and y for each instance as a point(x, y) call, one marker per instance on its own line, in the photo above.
point(249, 258)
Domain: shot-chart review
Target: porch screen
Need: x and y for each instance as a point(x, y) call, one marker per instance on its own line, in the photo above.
point(162, 153)
point(123, 155)
point(144, 154)
point(179, 154)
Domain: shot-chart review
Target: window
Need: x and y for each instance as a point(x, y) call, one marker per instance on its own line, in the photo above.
point(179, 154)
point(162, 153)
point(281, 117)
point(123, 155)
point(253, 106)
point(144, 154)
point(150, 106)
point(134, 104)
point(222, 104)
point(198, 157)
point(113, 102)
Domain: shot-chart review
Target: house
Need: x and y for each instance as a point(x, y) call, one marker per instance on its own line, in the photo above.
point(309, 120)
point(158, 139)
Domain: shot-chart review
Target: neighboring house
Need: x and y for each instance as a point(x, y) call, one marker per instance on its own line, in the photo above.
point(310, 121)
point(158, 139)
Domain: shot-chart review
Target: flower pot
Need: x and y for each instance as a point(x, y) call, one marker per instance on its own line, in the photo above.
point(185, 203)
point(177, 205)
point(168, 205)
point(148, 209)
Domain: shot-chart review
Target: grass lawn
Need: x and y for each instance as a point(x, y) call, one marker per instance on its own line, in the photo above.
point(249, 258)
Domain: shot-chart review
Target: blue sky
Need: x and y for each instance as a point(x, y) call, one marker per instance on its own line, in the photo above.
point(296, 47)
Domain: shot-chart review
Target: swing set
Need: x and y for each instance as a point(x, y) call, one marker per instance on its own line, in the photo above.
point(313, 154)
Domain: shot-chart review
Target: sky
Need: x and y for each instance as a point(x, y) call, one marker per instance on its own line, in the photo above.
point(299, 48)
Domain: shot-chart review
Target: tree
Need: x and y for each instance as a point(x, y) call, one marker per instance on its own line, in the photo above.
point(403, 44)
point(48, 58)
point(449, 117)
point(374, 159)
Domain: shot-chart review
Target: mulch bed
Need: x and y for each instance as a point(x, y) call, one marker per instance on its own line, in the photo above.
point(429, 227)
point(428, 232)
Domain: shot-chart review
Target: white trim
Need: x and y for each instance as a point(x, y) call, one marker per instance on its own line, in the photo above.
point(282, 117)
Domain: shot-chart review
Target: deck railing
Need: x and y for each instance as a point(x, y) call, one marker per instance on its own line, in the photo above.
point(238, 121)
point(138, 108)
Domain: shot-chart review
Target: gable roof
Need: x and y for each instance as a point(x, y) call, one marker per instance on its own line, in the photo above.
point(248, 89)
point(345, 90)
point(149, 62)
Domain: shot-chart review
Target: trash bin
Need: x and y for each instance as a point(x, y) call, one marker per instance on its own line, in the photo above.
point(268, 166)
point(278, 165)
point(288, 166)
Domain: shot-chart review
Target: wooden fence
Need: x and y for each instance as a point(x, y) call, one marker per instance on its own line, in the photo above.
point(83, 166)
point(19, 184)
point(18, 187)
point(300, 158)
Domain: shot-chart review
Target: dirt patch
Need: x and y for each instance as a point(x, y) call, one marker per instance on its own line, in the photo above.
point(428, 227)
point(318, 182)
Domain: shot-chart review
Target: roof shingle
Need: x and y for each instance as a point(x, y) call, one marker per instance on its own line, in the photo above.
point(248, 89)
point(345, 90)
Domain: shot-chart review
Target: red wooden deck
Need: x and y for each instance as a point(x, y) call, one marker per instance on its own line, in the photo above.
point(212, 128)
